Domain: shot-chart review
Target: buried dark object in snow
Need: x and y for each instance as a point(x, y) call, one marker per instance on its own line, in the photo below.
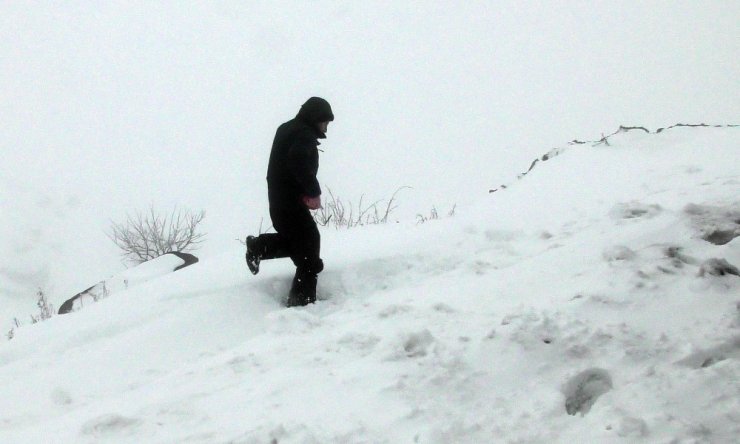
point(167, 263)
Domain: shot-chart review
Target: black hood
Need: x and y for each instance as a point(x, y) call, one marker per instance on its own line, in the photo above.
point(316, 110)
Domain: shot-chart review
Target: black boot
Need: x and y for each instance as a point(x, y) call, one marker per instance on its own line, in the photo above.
point(303, 290)
point(253, 255)
point(295, 296)
point(309, 290)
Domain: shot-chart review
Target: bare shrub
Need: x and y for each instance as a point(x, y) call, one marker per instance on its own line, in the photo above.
point(434, 215)
point(342, 215)
point(46, 310)
point(11, 333)
point(149, 235)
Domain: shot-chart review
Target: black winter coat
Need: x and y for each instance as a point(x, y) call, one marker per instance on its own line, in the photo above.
point(294, 159)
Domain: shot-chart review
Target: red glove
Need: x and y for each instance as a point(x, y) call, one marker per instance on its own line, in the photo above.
point(313, 203)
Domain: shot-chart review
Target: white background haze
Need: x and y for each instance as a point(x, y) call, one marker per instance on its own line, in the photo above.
point(110, 107)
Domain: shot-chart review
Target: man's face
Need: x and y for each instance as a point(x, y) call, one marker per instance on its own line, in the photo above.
point(323, 127)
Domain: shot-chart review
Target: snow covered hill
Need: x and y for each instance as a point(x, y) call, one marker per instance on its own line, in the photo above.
point(593, 300)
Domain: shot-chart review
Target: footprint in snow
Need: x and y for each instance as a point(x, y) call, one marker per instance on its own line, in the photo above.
point(413, 345)
point(361, 343)
point(418, 344)
point(618, 253)
point(111, 425)
point(718, 267)
point(61, 397)
point(582, 390)
point(717, 224)
point(709, 357)
point(634, 210)
point(633, 428)
point(292, 322)
point(394, 310)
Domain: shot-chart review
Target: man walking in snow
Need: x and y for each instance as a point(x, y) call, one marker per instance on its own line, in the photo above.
point(293, 190)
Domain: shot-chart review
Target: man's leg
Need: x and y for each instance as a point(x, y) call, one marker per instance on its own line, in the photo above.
point(305, 250)
point(270, 245)
point(263, 247)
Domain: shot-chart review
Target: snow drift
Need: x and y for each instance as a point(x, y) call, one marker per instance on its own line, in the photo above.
point(151, 269)
point(592, 301)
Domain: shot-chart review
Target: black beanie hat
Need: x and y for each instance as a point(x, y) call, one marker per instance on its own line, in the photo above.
point(316, 110)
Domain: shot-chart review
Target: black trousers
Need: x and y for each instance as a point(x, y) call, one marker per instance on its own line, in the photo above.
point(297, 237)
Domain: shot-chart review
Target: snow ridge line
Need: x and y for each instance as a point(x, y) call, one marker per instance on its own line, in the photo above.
point(605, 141)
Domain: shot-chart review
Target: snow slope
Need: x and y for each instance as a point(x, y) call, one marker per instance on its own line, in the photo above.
point(582, 288)
point(49, 240)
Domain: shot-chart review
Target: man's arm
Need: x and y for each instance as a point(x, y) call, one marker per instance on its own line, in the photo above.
point(303, 163)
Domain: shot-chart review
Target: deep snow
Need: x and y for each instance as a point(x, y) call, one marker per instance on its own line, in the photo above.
point(584, 287)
